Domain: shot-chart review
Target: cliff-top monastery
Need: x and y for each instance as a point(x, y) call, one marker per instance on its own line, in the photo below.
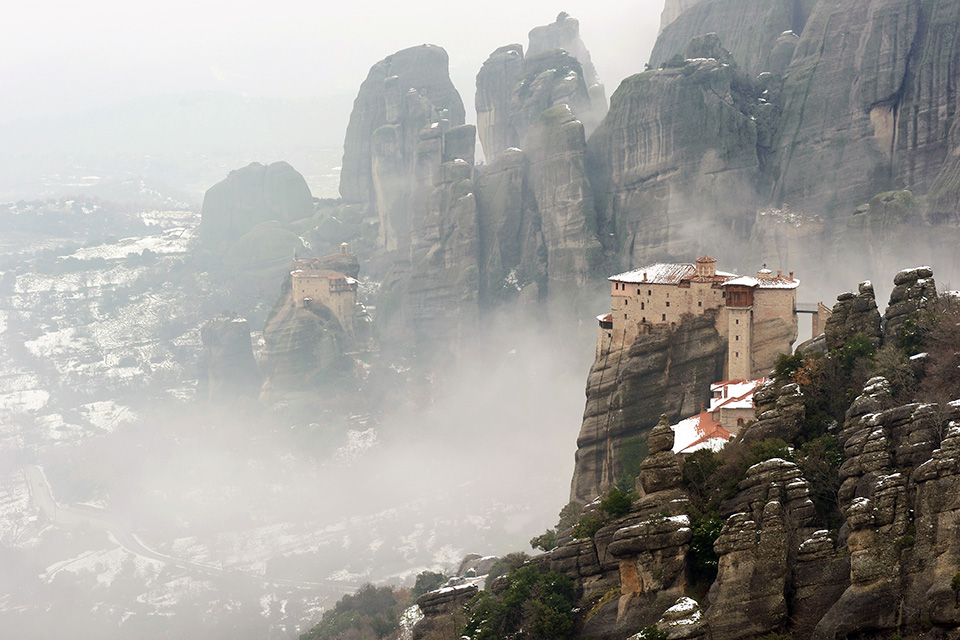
point(756, 314)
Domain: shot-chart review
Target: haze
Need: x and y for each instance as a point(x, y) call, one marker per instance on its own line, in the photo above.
point(59, 57)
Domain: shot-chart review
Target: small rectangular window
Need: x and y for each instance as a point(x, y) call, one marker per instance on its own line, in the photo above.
point(700, 303)
point(642, 306)
point(649, 292)
point(668, 303)
point(664, 317)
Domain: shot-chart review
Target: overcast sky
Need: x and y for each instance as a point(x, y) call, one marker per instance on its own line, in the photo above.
point(59, 57)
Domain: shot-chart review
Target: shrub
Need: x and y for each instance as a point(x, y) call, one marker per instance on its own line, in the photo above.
point(653, 632)
point(534, 604)
point(505, 565)
point(786, 366)
point(569, 515)
point(545, 541)
point(587, 527)
point(617, 503)
point(703, 559)
point(372, 612)
point(427, 581)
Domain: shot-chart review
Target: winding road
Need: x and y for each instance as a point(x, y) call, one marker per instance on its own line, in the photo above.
point(84, 516)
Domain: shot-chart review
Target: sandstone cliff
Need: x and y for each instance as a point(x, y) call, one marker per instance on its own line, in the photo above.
point(835, 126)
point(250, 196)
point(630, 386)
point(227, 367)
point(675, 163)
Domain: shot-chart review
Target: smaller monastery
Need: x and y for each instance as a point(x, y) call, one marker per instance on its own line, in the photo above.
point(731, 407)
point(756, 314)
point(312, 284)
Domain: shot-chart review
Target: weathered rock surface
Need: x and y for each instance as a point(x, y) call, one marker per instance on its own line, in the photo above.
point(564, 34)
point(303, 347)
point(854, 315)
point(250, 196)
point(556, 147)
point(404, 92)
point(750, 29)
point(780, 413)
point(227, 366)
point(914, 290)
point(675, 163)
point(630, 387)
point(768, 519)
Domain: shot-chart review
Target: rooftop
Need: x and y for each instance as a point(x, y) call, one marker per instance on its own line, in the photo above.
point(699, 432)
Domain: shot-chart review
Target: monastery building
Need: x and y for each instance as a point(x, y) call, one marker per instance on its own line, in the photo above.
point(314, 285)
point(756, 314)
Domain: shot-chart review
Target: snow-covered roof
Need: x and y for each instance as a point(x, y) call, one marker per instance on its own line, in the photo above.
point(777, 282)
point(734, 394)
point(659, 273)
point(699, 432)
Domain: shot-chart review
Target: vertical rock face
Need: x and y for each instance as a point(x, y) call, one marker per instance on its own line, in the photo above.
point(512, 91)
point(227, 367)
point(853, 315)
point(766, 522)
point(841, 131)
point(564, 34)
point(395, 93)
point(495, 84)
point(913, 291)
point(556, 148)
point(513, 261)
point(750, 29)
point(674, 164)
point(250, 196)
point(629, 387)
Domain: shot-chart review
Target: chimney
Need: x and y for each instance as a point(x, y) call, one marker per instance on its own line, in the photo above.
point(644, 276)
point(791, 274)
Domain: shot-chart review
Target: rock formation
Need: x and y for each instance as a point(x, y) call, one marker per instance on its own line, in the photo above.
point(250, 196)
point(403, 92)
point(854, 315)
point(227, 367)
point(675, 163)
point(914, 290)
point(512, 91)
point(304, 346)
point(564, 33)
point(765, 524)
point(750, 29)
point(630, 386)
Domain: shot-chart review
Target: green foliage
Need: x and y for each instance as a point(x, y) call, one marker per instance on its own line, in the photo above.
point(910, 340)
point(569, 515)
point(533, 604)
point(632, 452)
point(854, 350)
point(767, 449)
point(427, 581)
point(786, 366)
point(372, 612)
point(653, 632)
point(545, 541)
point(617, 503)
point(587, 527)
point(505, 565)
point(703, 559)
point(820, 461)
